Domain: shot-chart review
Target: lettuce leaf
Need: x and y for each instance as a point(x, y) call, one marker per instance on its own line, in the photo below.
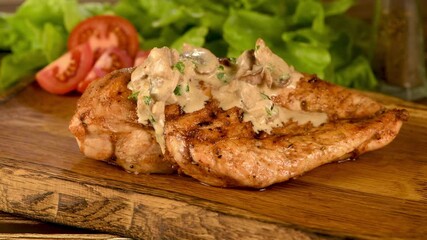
point(307, 12)
point(53, 42)
point(36, 34)
point(357, 74)
point(39, 12)
point(337, 7)
point(18, 65)
point(242, 28)
point(307, 58)
point(7, 35)
point(313, 35)
point(195, 36)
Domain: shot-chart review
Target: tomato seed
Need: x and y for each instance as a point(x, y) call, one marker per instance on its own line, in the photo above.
point(70, 71)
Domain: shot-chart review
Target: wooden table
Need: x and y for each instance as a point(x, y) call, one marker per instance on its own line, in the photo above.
point(17, 227)
point(43, 176)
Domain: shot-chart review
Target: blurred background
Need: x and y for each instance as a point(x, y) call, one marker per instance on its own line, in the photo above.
point(363, 9)
point(349, 70)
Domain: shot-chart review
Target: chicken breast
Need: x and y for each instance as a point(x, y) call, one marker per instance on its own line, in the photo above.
point(218, 149)
point(315, 95)
point(106, 128)
point(249, 123)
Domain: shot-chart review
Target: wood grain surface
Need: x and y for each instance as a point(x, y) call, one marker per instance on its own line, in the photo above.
point(43, 176)
point(17, 227)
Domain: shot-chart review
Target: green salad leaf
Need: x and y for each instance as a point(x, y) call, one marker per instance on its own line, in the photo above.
point(36, 34)
point(243, 27)
point(315, 36)
point(7, 35)
point(194, 36)
point(18, 65)
point(53, 41)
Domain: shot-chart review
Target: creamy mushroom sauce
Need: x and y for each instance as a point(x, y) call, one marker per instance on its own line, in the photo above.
point(190, 78)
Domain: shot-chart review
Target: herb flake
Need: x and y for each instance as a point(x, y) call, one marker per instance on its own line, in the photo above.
point(152, 120)
point(147, 100)
point(133, 96)
point(180, 66)
point(270, 111)
point(222, 77)
point(265, 96)
point(177, 90)
point(284, 79)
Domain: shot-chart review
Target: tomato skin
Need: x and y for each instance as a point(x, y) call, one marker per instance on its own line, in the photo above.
point(64, 74)
point(103, 32)
point(140, 57)
point(110, 60)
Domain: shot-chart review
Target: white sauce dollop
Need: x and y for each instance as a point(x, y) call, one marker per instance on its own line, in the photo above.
point(166, 78)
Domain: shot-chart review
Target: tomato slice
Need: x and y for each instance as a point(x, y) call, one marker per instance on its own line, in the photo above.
point(63, 75)
point(103, 32)
point(141, 55)
point(112, 59)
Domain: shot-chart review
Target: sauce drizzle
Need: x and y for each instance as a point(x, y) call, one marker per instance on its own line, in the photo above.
point(191, 78)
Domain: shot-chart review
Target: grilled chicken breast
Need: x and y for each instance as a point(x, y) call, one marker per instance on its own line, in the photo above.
point(252, 123)
point(106, 128)
point(315, 95)
point(217, 148)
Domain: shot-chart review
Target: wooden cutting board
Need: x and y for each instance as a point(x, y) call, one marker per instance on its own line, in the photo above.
point(43, 176)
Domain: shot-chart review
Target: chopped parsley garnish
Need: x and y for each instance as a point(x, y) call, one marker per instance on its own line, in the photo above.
point(220, 67)
point(187, 89)
point(177, 90)
point(180, 66)
point(133, 96)
point(233, 60)
point(284, 78)
point(152, 120)
point(147, 100)
point(222, 77)
point(270, 111)
point(265, 96)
